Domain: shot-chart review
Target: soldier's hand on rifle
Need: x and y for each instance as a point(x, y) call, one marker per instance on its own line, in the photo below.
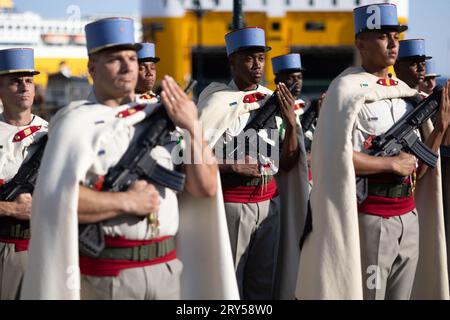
point(249, 169)
point(443, 119)
point(143, 199)
point(287, 101)
point(22, 204)
point(404, 164)
point(181, 110)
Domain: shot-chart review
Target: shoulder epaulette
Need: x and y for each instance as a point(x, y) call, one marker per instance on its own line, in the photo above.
point(130, 111)
point(387, 82)
point(254, 97)
point(22, 134)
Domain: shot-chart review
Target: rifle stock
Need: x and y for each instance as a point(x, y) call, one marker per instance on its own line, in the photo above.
point(264, 118)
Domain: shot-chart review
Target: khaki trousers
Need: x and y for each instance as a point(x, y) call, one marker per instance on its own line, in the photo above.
point(389, 255)
point(12, 268)
point(157, 282)
point(254, 237)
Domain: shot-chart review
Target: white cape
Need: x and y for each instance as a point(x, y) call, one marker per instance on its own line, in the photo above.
point(53, 265)
point(220, 105)
point(330, 264)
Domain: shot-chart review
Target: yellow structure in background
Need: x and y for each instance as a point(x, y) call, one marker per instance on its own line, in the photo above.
point(292, 25)
point(78, 67)
point(6, 4)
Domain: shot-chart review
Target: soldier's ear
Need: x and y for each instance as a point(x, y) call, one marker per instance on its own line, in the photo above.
point(231, 59)
point(231, 62)
point(359, 43)
point(91, 66)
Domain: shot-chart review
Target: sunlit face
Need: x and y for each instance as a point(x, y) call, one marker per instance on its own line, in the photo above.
point(147, 77)
point(378, 49)
point(248, 65)
point(428, 85)
point(114, 72)
point(17, 91)
point(412, 71)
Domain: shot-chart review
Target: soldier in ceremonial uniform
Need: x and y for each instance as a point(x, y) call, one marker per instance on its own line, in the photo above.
point(140, 259)
point(288, 69)
point(147, 74)
point(411, 61)
point(265, 263)
point(20, 130)
point(371, 250)
point(417, 70)
point(429, 83)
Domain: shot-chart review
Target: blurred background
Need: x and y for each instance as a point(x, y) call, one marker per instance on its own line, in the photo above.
point(189, 37)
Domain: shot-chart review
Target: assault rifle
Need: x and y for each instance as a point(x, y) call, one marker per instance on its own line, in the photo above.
point(25, 179)
point(135, 164)
point(401, 137)
point(248, 140)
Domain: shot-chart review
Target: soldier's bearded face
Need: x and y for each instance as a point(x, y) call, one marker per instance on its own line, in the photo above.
point(248, 66)
point(147, 77)
point(115, 72)
point(17, 91)
point(378, 48)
